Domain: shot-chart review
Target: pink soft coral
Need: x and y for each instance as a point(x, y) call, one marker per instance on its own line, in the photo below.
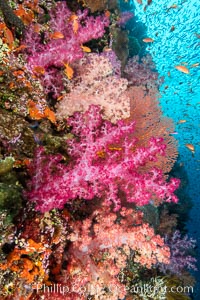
point(55, 51)
point(101, 247)
point(51, 53)
point(96, 83)
point(105, 162)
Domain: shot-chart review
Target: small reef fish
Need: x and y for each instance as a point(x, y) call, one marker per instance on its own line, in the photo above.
point(34, 125)
point(68, 71)
point(75, 24)
point(182, 121)
point(148, 40)
point(85, 49)
point(172, 28)
point(60, 97)
point(190, 147)
point(182, 69)
point(57, 35)
point(173, 6)
point(195, 65)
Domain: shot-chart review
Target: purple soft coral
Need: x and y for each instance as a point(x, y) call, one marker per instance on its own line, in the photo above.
point(105, 162)
point(181, 248)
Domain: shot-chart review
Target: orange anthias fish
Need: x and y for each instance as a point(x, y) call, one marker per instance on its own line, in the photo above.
point(173, 6)
point(57, 35)
point(68, 71)
point(60, 97)
point(182, 69)
point(182, 121)
point(195, 65)
point(190, 147)
point(75, 24)
point(148, 40)
point(85, 48)
point(22, 163)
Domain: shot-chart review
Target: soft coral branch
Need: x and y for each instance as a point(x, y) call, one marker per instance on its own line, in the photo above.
point(105, 161)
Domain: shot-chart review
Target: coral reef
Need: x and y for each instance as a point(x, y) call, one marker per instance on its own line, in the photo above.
point(89, 197)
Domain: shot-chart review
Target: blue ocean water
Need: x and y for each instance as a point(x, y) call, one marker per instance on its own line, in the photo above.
point(175, 28)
